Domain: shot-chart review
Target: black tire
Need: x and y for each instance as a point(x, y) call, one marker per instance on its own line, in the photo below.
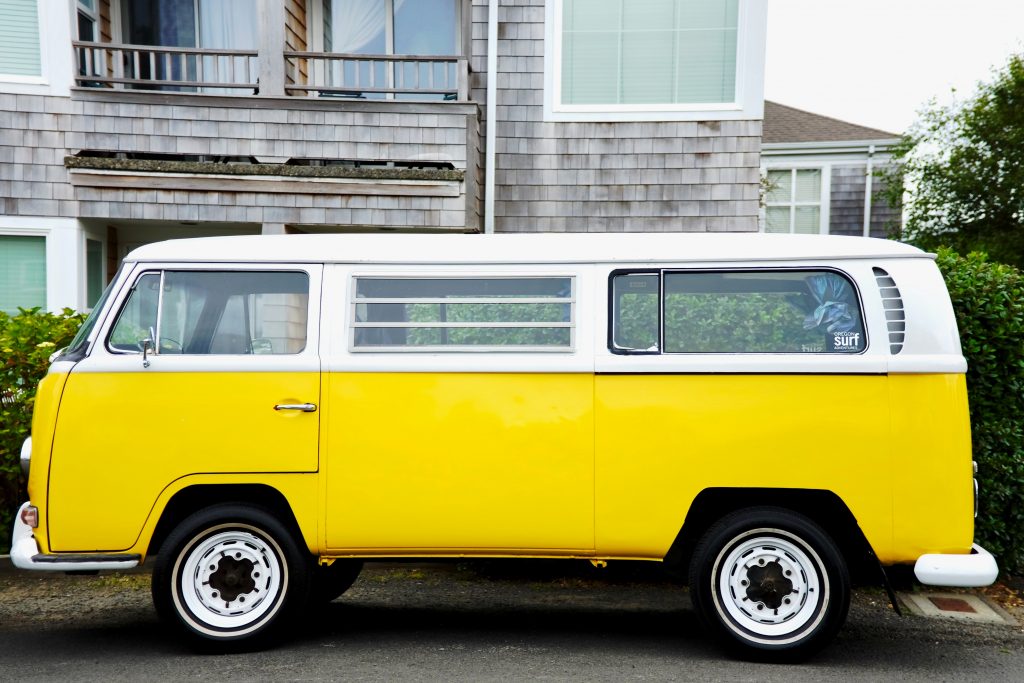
point(238, 555)
point(330, 581)
point(770, 583)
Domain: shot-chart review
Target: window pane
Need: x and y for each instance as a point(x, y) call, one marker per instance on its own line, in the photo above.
point(635, 312)
point(358, 27)
point(425, 27)
point(137, 320)
point(654, 52)
point(807, 220)
point(205, 312)
point(19, 38)
point(783, 312)
point(432, 288)
point(463, 336)
point(450, 312)
point(777, 219)
point(780, 186)
point(808, 185)
point(22, 272)
point(93, 272)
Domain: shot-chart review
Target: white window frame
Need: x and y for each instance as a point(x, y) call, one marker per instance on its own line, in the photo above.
point(55, 35)
point(571, 325)
point(749, 102)
point(83, 265)
point(92, 14)
point(62, 255)
point(823, 199)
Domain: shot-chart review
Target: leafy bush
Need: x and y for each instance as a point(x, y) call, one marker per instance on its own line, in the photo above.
point(989, 302)
point(26, 342)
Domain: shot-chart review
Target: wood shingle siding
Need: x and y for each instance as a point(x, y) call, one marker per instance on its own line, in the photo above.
point(296, 32)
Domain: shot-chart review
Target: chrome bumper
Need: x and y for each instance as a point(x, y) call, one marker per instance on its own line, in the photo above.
point(964, 571)
point(25, 554)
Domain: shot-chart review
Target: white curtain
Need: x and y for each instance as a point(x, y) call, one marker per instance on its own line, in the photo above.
point(227, 24)
point(357, 22)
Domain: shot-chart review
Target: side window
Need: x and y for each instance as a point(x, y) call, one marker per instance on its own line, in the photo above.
point(635, 301)
point(215, 312)
point(425, 314)
point(748, 312)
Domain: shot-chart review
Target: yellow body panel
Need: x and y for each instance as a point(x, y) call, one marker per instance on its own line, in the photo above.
point(44, 418)
point(122, 438)
point(481, 463)
point(662, 439)
point(933, 501)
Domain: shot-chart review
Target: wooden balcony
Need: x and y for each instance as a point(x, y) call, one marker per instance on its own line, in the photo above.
point(145, 67)
point(370, 76)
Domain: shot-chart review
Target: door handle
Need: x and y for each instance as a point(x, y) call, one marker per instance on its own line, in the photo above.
point(304, 407)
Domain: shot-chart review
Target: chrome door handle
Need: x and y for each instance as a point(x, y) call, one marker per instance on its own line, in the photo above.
point(304, 407)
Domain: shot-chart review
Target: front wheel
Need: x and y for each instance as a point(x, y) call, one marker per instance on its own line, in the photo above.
point(771, 583)
point(230, 574)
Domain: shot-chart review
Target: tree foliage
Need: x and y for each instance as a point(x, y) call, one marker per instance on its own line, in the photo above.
point(963, 166)
point(988, 299)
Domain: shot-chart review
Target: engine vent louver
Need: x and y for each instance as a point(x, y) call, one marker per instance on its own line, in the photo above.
point(892, 302)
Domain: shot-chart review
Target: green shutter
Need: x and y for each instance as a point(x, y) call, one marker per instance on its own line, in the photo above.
point(655, 52)
point(22, 272)
point(93, 272)
point(19, 38)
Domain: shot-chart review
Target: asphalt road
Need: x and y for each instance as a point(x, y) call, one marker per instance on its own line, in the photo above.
point(475, 622)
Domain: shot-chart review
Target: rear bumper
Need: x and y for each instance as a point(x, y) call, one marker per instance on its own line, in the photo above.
point(25, 554)
point(978, 568)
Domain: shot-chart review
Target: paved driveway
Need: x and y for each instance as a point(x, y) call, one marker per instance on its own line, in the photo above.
point(474, 622)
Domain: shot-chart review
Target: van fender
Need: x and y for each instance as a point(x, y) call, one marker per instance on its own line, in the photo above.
point(823, 506)
point(290, 496)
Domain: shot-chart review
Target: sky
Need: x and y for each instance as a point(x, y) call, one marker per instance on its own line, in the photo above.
point(877, 62)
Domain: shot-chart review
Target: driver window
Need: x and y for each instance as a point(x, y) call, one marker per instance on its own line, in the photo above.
point(215, 312)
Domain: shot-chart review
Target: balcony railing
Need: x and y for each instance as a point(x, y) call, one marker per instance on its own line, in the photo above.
point(114, 65)
point(326, 74)
point(364, 76)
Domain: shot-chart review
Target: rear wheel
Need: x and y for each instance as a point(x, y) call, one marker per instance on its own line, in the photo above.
point(770, 583)
point(230, 574)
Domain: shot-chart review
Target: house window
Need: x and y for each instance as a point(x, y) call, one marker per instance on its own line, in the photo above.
point(664, 52)
point(93, 272)
point(658, 60)
point(462, 314)
point(22, 272)
point(20, 55)
point(793, 202)
point(87, 20)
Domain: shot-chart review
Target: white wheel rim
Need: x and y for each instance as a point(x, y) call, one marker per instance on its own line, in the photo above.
point(230, 579)
point(770, 587)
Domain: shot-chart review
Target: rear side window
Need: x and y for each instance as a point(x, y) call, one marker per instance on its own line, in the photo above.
point(791, 311)
point(471, 313)
point(215, 312)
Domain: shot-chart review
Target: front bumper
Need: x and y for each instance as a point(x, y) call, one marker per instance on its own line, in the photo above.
point(963, 571)
point(25, 554)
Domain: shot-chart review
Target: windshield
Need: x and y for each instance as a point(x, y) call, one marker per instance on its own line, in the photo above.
point(78, 347)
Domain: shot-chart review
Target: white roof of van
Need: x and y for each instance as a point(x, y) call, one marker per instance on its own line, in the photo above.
point(521, 248)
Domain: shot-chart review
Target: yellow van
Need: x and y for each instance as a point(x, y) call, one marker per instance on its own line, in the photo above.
point(773, 415)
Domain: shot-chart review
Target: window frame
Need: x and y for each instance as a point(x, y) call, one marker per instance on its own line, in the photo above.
point(662, 272)
point(572, 325)
point(747, 104)
point(824, 199)
point(56, 75)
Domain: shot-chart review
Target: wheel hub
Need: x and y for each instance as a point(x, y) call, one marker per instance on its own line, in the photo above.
point(233, 577)
point(768, 584)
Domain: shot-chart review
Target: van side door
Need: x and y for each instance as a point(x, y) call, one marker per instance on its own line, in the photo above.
point(460, 411)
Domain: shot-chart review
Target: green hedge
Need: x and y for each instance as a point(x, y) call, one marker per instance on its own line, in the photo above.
point(989, 302)
point(26, 342)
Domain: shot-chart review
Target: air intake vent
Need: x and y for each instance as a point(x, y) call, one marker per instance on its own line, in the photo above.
point(892, 302)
